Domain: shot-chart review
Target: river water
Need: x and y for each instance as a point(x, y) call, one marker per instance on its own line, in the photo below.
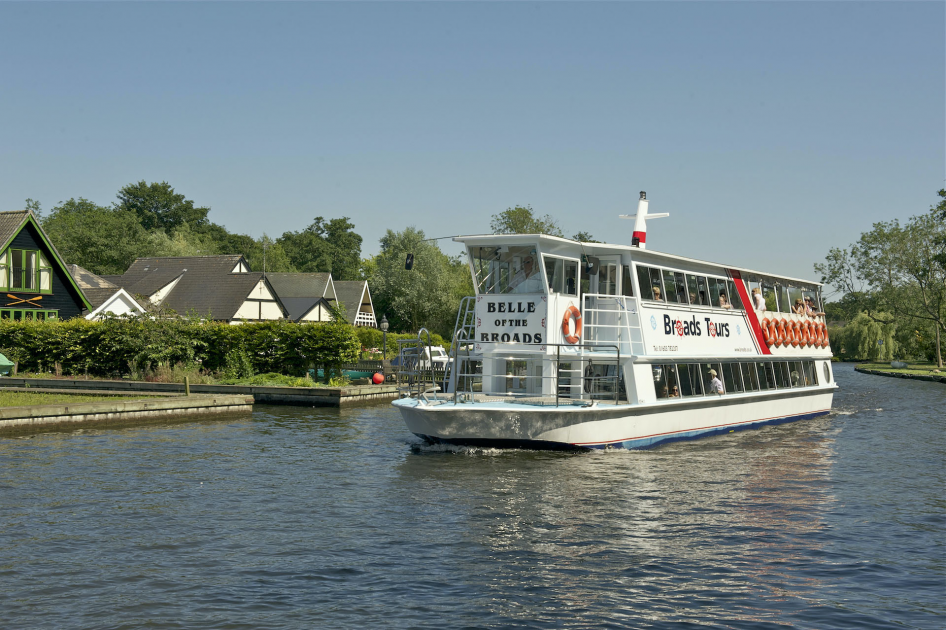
point(301, 518)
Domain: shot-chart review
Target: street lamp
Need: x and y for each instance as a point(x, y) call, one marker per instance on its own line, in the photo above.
point(384, 330)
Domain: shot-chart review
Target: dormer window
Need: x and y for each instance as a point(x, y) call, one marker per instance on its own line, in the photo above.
point(25, 270)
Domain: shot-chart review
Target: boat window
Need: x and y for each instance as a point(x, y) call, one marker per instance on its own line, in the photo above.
point(692, 289)
point(708, 377)
point(665, 381)
point(807, 293)
point(784, 303)
point(690, 384)
point(827, 372)
point(731, 377)
point(724, 293)
point(811, 374)
point(506, 269)
point(713, 291)
point(670, 290)
point(794, 294)
point(796, 374)
point(750, 377)
point(681, 285)
point(733, 295)
point(562, 275)
point(781, 375)
point(643, 282)
point(768, 292)
point(627, 287)
point(517, 373)
point(701, 291)
point(766, 375)
point(608, 279)
point(655, 285)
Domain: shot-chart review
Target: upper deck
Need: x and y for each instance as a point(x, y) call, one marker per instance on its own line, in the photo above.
point(649, 304)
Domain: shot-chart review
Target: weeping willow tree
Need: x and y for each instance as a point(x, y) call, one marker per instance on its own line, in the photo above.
point(867, 339)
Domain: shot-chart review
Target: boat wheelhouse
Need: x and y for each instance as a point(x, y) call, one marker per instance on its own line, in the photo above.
point(593, 345)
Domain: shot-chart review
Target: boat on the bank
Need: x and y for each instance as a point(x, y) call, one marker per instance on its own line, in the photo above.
point(593, 345)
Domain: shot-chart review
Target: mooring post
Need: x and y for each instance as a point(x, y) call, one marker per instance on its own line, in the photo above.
point(187, 386)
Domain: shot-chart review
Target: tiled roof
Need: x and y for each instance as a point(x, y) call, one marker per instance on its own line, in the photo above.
point(10, 223)
point(96, 288)
point(206, 286)
point(299, 285)
point(349, 294)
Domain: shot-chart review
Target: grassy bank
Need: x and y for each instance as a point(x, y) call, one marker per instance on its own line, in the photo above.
point(922, 369)
point(25, 399)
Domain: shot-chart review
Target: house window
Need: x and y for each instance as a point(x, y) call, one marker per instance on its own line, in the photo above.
point(18, 314)
point(25, 270)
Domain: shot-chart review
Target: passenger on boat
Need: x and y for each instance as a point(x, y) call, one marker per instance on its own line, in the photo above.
point(716, 385)
point(799, 308)
point(723, 301)
point(675, 393)
point(810, 309)
point(657, 294)
point(528, 279)
point(757, 300)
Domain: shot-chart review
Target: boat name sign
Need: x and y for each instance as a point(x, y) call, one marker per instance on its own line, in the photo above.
point(512, 319)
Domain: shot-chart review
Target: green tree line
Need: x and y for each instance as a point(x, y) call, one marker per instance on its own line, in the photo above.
point(892, 283)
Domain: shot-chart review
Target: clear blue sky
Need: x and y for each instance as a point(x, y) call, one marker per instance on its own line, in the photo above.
point(769, 131)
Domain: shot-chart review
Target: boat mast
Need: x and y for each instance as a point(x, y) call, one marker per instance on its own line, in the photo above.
point(639, 238)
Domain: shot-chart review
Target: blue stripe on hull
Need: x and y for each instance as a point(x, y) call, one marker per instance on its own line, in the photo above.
point(650, 442)
point(638, 444)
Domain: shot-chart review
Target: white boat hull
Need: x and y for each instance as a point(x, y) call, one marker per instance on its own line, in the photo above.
point(606, 425)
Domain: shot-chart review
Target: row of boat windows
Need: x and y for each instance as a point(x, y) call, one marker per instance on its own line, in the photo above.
point(674, 380)
point(663, 285)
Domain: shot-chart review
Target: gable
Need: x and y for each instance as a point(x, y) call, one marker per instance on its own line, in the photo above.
point(59, 292)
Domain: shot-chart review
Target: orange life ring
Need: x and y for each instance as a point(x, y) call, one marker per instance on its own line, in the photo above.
point(796, 333)
point(805, 334)
point(816, 335)
point(768, 332)
point(825, 329)
point(572, 312)
point(782, 333)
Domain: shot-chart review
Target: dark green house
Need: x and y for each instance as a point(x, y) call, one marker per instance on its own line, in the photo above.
point(34, 282)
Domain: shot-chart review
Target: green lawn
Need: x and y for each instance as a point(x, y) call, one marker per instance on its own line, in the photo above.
point(24, 399)
point(913, 368)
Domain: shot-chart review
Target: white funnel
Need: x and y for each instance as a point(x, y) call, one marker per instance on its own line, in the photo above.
point(639, 238)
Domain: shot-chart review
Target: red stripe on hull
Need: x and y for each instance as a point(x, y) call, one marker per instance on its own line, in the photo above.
point(749, 311)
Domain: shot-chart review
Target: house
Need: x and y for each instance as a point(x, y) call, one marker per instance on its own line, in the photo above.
point(355, 298)
point(34, 282)
point(216, 287)
point(104, 296)
point(308, 297)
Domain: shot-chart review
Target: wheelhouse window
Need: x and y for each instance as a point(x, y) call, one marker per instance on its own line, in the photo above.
point(608, 278)
point(627, 285)
point(25, 270)
point(507, 269)
point(562, 274)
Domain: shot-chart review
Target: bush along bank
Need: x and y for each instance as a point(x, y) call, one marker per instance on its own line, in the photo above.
point(131, 346)
point(372, 339)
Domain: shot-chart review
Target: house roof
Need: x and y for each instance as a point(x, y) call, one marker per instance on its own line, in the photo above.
point(10, 223)
point(205, 284)
point(299, 285)
point(350, 293)
point(97, 289)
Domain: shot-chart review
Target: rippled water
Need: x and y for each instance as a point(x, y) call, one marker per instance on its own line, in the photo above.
point(306, 518)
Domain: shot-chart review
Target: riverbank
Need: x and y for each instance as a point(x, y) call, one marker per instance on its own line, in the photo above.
point(273, 395)
point(919, 372)
point(118, 411)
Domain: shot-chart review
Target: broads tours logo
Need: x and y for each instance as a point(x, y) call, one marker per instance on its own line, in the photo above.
point(694, 327)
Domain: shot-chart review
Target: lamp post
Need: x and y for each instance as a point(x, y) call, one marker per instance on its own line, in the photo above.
point(384, 331)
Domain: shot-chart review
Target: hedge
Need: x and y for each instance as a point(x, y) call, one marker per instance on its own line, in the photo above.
point(374, 338)
point(118, 346)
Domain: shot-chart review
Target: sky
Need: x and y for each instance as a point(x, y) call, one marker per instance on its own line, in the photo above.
point(770, 131)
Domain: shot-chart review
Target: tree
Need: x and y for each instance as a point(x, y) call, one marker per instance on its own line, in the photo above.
point(522, 220)
point(157, 206)
point(427, 295)
point(104, 240)
point(584, 237)
point(897, 270)
point(329, 245)
point(34, 206)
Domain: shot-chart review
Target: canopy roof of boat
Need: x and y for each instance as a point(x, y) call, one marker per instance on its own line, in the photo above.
point(550, 243)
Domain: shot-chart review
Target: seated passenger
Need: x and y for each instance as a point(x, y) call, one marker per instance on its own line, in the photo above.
point(723, 301)
point(716, 385)
point(799, 308)
point(663, 392)
point(810, 310)
point(657, 293)
point(675, 392)
point(528, 279)
point(758, 302)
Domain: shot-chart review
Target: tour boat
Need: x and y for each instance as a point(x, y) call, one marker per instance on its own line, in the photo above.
point(569, 344)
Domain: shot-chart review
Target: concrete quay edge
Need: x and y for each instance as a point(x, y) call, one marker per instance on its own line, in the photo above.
point(915, 377)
